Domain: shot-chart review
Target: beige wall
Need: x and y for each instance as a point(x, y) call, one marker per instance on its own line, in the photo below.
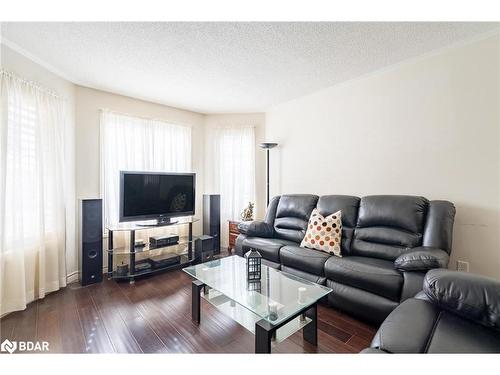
point(426, 127)
point(24, 67)
point(88, 104)
point(257, 120)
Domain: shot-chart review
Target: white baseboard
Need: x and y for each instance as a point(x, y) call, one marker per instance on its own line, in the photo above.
point(74, 276)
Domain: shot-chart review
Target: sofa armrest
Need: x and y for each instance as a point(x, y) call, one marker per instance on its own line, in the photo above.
point(256, 229)
point(422, 259)
point(471, 296)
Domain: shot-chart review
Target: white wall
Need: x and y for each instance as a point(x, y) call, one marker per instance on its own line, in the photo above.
point(425, 127)
point(24, 67)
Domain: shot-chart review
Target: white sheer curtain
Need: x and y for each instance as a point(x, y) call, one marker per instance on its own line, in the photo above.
point(231, 170)
point(136, 144)
point(32, 203)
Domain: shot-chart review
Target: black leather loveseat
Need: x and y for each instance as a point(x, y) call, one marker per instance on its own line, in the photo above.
point(388, 243)
point(456, 312)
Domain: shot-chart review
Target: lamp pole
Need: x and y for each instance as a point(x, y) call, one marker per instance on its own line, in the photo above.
point(267, 146)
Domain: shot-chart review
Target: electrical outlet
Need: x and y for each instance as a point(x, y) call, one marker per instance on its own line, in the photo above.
point(462, 266)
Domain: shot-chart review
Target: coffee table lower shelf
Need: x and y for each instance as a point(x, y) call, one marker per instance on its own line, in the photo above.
point(266, 334)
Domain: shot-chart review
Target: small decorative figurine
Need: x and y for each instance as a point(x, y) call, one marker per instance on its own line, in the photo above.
point(253, 259)
point(247, 214)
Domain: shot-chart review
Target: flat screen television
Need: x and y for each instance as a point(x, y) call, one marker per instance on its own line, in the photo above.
point(156, 195)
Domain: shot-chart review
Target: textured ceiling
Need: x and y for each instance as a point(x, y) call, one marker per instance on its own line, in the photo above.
point(227, 67)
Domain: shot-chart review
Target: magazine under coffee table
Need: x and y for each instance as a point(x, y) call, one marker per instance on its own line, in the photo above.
point(273, 308)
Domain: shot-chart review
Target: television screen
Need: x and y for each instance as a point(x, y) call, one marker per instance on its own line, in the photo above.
point(150, 195)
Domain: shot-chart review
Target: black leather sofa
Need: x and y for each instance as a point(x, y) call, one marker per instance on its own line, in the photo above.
point(388, 243)
point(456, 312)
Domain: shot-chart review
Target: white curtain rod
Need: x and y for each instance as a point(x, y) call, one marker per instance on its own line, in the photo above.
point(102, 110)
point(31, 84)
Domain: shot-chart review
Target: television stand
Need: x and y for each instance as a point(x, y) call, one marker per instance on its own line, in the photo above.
point(152, 259)
point(159, 223)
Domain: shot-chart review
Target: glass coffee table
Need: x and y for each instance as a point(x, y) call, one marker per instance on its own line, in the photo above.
point(273, 308)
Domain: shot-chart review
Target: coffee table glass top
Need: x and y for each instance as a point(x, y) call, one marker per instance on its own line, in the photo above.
point(277, 296)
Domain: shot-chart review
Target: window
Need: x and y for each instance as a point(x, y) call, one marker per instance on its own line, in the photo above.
point(32, 192)
point(21, 163)
point(136, 144)
point(231, 170)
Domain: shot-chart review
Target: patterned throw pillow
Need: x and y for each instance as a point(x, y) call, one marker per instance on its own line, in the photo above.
point(324, 233)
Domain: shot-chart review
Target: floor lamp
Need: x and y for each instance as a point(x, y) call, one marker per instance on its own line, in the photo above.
point(267, 146)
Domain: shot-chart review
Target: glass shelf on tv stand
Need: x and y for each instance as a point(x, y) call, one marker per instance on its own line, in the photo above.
point(180, 247)
point(184, 248)
point(135, 226)
point(184, 260)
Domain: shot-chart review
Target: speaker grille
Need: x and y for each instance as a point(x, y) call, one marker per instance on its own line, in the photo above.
point(91, 237)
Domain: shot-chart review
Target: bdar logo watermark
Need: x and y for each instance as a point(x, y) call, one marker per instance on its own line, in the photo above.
point(24, 346)
point(8, 346)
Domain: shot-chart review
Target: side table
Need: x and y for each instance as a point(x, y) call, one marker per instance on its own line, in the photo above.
point(233, 233)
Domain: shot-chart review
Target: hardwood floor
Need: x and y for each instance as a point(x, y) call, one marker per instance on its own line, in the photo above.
point(154, 316)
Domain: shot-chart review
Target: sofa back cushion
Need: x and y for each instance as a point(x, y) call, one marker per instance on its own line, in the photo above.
point(349, 205)
point(389, 225)
point(292, 216)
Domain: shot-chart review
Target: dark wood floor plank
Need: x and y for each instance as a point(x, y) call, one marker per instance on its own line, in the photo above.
point(111, 303)
point(94, 331)
point(70, 322)
point(49, 318)
point(333, 331)
point(298, 339)
point(359, 342)
point(334, 345)
point(7, 325)
point(26, 327)
point(154, 316)
point(145, 336)
point(345, 323)
point(174, 342)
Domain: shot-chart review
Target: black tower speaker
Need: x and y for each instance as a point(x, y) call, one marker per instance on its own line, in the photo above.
point(90, 241)
point(211, 218)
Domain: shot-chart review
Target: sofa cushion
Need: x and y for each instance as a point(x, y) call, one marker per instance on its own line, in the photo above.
point(292, 215)
point(419, 326)
point(304, 275)
point(399, 211)
point(374, 275)
point(407, 328)
point(389, 225)
point(307, 260)
point(359, 303)
point(348, 205)
point(324, 233)
point(267, 247)
point(453, 334)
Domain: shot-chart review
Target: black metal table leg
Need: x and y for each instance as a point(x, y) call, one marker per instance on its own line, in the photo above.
point(190, 241)
point(110, 254)
point(196, 288)
point(263, 335)
point(132, 256)
point(310, 331)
